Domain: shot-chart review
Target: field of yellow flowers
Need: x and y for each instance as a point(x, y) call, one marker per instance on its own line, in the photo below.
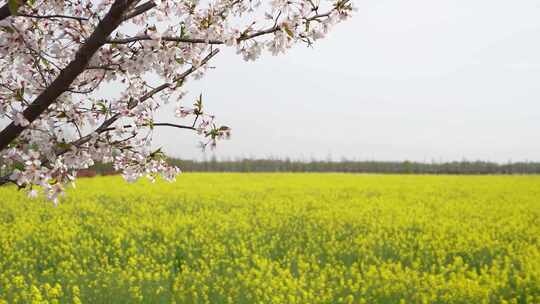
point(276, 238)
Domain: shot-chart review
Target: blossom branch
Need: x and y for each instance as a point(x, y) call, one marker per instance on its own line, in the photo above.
point(243, 37)
point(49, 71)
point(106, 125)
point(61, 84)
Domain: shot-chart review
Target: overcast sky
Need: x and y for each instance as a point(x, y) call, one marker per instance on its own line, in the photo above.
point(418, 80)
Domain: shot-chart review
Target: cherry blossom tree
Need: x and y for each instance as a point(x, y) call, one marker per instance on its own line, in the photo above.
point(57, 56)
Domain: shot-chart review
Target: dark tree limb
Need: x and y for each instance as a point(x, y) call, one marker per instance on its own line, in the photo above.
point(159, 124)
point(4, 11)
point(54, 16)
point(141, 9)
point(192, 40)
point(66, 77)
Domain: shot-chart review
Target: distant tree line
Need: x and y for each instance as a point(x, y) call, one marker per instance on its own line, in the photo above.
point(345, 166)
point(348, 166)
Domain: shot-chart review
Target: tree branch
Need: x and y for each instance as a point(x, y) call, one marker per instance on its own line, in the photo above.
point(4, 12)
point(54, 16)
point(166, 124)
point(165, 38)
point(269, 30)
point(141, 9)
point(111, 21)
point(192, 40)
point(159, 124)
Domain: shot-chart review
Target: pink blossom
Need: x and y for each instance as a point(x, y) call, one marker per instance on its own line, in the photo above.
point(148, 60)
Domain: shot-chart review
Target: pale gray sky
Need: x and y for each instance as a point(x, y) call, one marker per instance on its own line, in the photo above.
point(417, 80)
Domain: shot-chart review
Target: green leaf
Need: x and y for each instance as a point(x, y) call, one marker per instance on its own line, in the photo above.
point(158, 154)
point(179, 83)
point(198, 105)
point(63, 146)
point(45, 62)
point(19, 94)
point(19, 166)
point(7, 29)
point(102, 107)
point(289, 32)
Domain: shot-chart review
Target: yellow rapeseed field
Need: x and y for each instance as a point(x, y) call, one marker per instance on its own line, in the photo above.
point(276, 238)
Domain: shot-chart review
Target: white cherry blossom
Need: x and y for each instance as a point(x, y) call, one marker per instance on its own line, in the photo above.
point(56, 58)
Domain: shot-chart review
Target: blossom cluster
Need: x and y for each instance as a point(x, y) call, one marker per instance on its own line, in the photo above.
point(154, 50)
